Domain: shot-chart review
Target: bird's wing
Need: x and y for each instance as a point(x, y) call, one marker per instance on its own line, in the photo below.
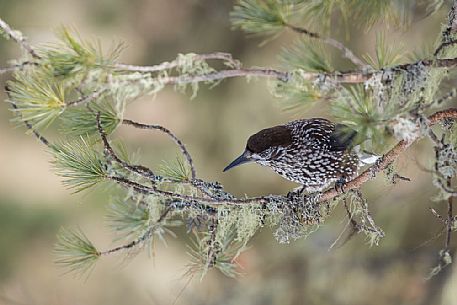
point(342, 138)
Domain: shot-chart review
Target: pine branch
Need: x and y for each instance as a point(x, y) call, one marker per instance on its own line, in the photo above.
point(17, 67)
point(226, 57)
point(138, 169)
point(19, 38)
point(330, 41)
point(142, 239)
point(29, 126)
point(89, 98)
point(342, 77)
point(175, 139)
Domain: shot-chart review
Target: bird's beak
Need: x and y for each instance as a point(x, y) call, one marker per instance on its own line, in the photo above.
point(244, 158)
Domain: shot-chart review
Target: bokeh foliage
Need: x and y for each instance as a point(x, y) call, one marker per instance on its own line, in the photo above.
point(60, 84)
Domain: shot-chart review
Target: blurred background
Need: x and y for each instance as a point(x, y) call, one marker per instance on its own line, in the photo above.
point(215, 125)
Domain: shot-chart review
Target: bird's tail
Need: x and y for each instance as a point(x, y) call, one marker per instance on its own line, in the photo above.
point(365, 157)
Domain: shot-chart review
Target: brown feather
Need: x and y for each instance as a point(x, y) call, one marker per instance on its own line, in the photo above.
point(269, 137)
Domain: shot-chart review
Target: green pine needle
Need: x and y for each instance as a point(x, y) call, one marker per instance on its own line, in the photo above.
point(75, 252)
point(177, 170)
point(356, 108)
point(321, 11)
point(39, 100)
point(371, 11)
point(367, 13)
point(298, 93)
point(386, 55)
point(4, 35)
point(128, 219)
point(259, 17)
point(434, 6)
point(224, 259)
point(81, 120)
point(79, 163)
point(74, 55)
point(311, 57)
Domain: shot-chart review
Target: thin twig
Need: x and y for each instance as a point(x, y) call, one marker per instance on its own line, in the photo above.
point(146, 236)
point(449, 215)
point(444, 45)
point(330, 41)
point(19, 38)
point(178, 142)
point(450, 95)
point(29, 126)
point(17, 67)
point(146, 190)
point(138, 169)
point(88, 98)
point(175, 63)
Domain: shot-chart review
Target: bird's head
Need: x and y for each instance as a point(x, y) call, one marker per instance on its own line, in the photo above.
point(264, 146)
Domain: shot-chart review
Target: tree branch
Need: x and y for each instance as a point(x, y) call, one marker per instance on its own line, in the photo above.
point(88, 98)
point(138, 169)
point(19, 38)
point(17, 67)
point(175, 139)
point(144, 237)
point(342, 77)
point(330, 41)
point(29, 126)
point(175, 63)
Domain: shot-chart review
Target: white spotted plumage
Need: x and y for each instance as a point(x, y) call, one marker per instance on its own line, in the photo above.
point(310, 158)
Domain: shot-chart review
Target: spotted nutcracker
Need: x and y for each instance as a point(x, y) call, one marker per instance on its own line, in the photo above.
point(312, 152)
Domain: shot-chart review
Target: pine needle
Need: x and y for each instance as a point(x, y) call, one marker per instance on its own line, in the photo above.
point(128, 219)
point(80, 120)
point(39, 100)
point(75, 252)
point(177, 170)
point(74, 55)
point(259, 17)
point(311, 57)
point(79, 163)
point(385, 55)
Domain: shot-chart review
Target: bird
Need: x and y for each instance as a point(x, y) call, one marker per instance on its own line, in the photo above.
point(313, 152)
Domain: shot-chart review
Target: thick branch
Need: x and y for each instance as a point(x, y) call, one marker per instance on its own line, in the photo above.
point(227, 57)
point(344, 77)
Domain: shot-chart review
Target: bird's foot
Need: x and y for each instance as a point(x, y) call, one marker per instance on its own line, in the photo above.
point(298, 191)
point(340, 185)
